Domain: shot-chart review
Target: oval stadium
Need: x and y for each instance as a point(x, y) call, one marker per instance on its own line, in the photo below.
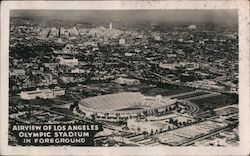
point(123, 105)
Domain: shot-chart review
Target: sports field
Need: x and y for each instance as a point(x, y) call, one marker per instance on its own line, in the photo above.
point(213, 102)
point(167, 91)
point(144, 88)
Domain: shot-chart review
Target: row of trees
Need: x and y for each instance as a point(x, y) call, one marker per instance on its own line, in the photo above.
point(179, 123)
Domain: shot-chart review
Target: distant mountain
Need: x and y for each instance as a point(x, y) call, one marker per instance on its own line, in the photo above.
point(134, 16)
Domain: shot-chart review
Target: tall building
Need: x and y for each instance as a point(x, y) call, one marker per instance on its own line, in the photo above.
point(110, 26)
point(122, 41)
point(192, 27)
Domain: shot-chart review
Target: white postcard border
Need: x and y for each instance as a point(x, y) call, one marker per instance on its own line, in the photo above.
point(243, 17)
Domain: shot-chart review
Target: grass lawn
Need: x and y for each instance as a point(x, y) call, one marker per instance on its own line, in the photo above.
point(215, 101)
point(166, 92)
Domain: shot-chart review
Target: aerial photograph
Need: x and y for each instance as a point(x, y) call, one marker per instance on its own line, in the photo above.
point(148, 77)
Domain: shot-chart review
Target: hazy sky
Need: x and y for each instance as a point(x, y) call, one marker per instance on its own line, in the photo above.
point(180, 16)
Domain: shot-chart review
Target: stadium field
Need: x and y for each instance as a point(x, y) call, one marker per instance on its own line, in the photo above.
point(167, 91)
point(213, 102)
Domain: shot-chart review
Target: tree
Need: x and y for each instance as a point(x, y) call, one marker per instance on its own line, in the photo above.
point(71, 107)
point(77, 108)
point(170, 109)
point(138, 129)
point(156, 131)
point(180, 123)
point(166, 110)
point(93, 117)
point(175, 122)
point(179, 110)
point(160, 130)
point(171, 120)
point(151, 132)
point(145, 133)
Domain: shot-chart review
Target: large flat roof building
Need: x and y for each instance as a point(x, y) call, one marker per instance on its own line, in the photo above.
point(42, 93)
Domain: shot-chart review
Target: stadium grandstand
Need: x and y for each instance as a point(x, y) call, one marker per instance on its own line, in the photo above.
point(123, 105)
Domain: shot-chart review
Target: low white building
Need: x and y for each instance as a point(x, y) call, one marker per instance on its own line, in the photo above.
point(205, 84)
point(122, 41)
point(190, 65)
point(17, 72)
point(127, 81)
point(42, 93)
point(68, 61)
point(77, 71)
point(192, 27)
point(171, 66)
point(128, 54)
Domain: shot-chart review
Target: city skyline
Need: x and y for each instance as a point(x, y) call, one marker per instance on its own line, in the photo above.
point(133, 16)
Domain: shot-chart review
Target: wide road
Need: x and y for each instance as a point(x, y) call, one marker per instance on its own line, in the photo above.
point(194, 109)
